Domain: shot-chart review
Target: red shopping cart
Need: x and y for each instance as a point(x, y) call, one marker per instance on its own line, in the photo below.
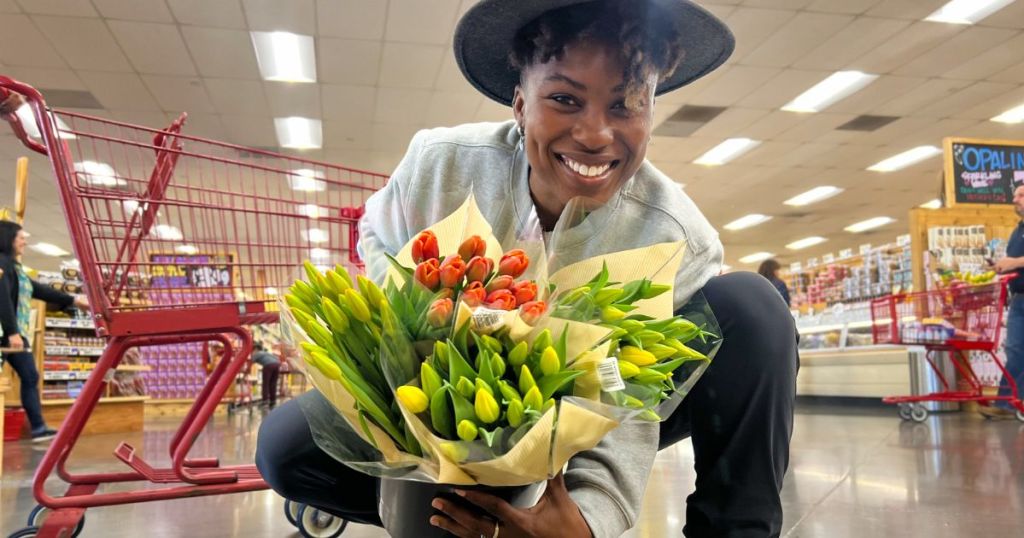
point(951, 320)
point(181, 240)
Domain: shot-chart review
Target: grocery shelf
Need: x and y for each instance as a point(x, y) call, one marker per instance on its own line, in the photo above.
point(111, 399)
point(74, 351)
point(81, 372)
point(69, 323)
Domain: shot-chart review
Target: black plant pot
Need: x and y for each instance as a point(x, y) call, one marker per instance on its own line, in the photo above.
point(405, 505)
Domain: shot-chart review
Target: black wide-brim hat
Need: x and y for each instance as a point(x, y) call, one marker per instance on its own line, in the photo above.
point(484, 38)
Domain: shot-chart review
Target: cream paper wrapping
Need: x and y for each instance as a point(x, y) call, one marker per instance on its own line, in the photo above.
point(553, 440)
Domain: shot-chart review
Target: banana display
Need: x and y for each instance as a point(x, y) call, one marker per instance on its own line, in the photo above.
point(958, 278)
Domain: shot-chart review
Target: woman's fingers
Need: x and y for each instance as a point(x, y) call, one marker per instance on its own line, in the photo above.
point(461, 519)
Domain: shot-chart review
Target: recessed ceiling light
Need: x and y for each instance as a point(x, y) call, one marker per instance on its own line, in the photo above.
point(835, 87)
point(933, 204)
point(806, 242)
point(284, 56)
point(747, 221)
point(1014, 115)
point(869, 224)
point(305, 179)
point(186, 249)
point(726, 151)
point(319, 255)
point(312, 211)
point(816, 194)
point(315, 235)
point(270, 292)
point(49, 250)
point(905, 159)
point(28, 121)
point(166, 232)
point(299, 133)
point(967, 11)
point(756, 257)
point(99, 174)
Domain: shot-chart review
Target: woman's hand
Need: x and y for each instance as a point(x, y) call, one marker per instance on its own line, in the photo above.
point(556, 515)
point(82, 302)
point(15, 342)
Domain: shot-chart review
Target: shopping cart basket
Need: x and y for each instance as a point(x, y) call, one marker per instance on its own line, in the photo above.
point(956, 321)
point(180, 240)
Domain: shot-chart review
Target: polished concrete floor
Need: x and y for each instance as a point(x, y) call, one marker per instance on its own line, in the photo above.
point(854, 472)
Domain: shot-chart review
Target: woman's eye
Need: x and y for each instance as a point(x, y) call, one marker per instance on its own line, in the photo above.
point(564, 100)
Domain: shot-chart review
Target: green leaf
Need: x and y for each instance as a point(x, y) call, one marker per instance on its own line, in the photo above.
point(441, 413)
point(550, 384)
point(457, 365)
point(463, 408)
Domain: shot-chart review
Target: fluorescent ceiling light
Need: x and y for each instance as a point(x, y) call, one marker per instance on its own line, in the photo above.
point(28, 120)
point(869, 224)
point(299, 133)
point(816, 194)
point(905, 159)
point(747, 221)
point(726, 268)
point(284, 56)
point(170, 233)
point(312, 211)
point(270, 292)
point(319, 255)
point(967, 11)
point(727, 151)
point(835, 87)
point(1014, 115)
point(49, 250)
point(806, 242)
point(315, 235)
point(756, 257)
point(934, 204)
point(305, 179)
point(99, 174)
point(186, 249)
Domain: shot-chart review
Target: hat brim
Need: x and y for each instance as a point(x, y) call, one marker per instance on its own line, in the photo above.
point(485, 34)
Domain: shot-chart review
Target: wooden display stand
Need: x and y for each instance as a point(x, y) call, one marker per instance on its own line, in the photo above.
point(999, 222)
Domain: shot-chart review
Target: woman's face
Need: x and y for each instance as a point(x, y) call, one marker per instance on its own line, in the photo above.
point(19, 242)
point(581, 140)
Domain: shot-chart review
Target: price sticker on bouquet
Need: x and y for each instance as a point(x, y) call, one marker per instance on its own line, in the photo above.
point(486, 320)
point(608, 373)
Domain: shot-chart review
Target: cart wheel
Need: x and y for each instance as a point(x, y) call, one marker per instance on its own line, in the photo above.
point(315, 523)
point(904, 411)
point(38, 515)
point(27, 532)
point(918, 413)
point(291, 511)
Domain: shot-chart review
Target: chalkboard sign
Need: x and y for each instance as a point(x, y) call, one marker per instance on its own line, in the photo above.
point(982, 171)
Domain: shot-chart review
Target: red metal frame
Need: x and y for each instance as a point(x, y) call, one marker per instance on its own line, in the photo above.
point(233, 205)
point(973, 313)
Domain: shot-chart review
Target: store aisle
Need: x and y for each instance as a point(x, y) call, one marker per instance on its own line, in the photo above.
point(853, 473)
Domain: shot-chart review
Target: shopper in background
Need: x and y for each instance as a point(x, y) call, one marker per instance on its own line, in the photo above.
point(770, 269)
point(271, 368)
point(16, 293)
point(1014, 346)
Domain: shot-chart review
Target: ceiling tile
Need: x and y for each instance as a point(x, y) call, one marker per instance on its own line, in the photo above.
point(70, 8)
point(990, 108)
point(783, 88)
point(397, 106)
point(904, 47)
point(884, 89)
point(51, 79)
point(898, 130)
point(22, 44)
point(992, 61)
point(991, 129)
point(351, 19)
point(774, 123)
point(147, 118)
point(730, 122)
point(119, 91)
point(257, 131)
point(233, 96)
point(289, 99)
point(348, 103)
point(961, 48)
point(1011, 16)
point(1012, 74)
point(814, 127)
point(777, 4)
point(349, 62)
point(450, 78)
point(421, 21)
point(853, 7)
point(976, 93)
point(449, 108)
point(84, 43)
point(205, 125)
point(754, 26)
point(670, 151)
point(153, 48)
point(222, 53)
point(348, 135)
point(795, 38)
point(394, 137)
point(733, 84)
point(405, 65)
point(9, 6)
point(492, 111)
point(901, 9)
point(218, 14)
point(179, 94)
point(922, 96)
point(134, 10)
point(848, 44)
point(296, 16)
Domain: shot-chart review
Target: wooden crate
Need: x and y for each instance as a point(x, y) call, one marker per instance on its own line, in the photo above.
point(111, 415)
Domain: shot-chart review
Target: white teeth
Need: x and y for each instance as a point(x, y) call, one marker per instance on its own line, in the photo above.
point(584, 170)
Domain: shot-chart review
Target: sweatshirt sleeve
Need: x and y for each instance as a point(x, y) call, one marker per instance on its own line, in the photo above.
point(697, 269)
point(8, 318)
point(608, 482)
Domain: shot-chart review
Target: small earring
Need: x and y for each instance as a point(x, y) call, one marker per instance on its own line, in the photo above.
point(522, 132)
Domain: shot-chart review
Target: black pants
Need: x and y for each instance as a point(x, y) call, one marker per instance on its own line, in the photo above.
point(739, 415)
point(24, 363)
point(270, 374)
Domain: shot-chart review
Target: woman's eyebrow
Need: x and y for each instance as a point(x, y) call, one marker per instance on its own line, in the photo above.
point(557, 77)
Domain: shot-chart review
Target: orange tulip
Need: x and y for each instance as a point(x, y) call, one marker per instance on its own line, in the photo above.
point(502, 282)
point(531, 311)
point(479, 268)
point(424, 247)
point(513, 263)
point(452, 271)
point(525, 291)
point(473, 246)
point(440, 312)
point(474, 294)
point(501, 300)
point(428, 273)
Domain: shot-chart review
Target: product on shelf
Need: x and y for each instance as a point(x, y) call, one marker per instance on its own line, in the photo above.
point(878, 272)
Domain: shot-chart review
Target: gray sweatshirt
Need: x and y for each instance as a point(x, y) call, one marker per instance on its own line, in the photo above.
point(443, 166)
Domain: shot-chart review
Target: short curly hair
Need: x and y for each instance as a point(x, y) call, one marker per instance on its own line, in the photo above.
point(648, 43)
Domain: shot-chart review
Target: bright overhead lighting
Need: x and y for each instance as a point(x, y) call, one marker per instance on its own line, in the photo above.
point(312, 211)
point(186, 249)
point(28, 121)
point(49, 250)
point(169, 233)
point(967, 11)
point(305, 179)
point(726, 268)
point(270, 292)
point(806, 242)
point(747, 221)
point(905, 159)
point(299, 133)
point(284, 56)
point(816, 194)
point(726, 151)
point(934, 204)
point(835, 87)
point(315, 235)
point(319, 255)
point(99, 174)
point(869, 224)
point(756, 257)
point(1014, 115)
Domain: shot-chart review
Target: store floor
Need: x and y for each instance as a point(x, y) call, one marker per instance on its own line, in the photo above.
point(854, 472)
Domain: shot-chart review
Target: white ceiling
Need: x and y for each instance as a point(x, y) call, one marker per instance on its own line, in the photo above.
point(385, 69)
